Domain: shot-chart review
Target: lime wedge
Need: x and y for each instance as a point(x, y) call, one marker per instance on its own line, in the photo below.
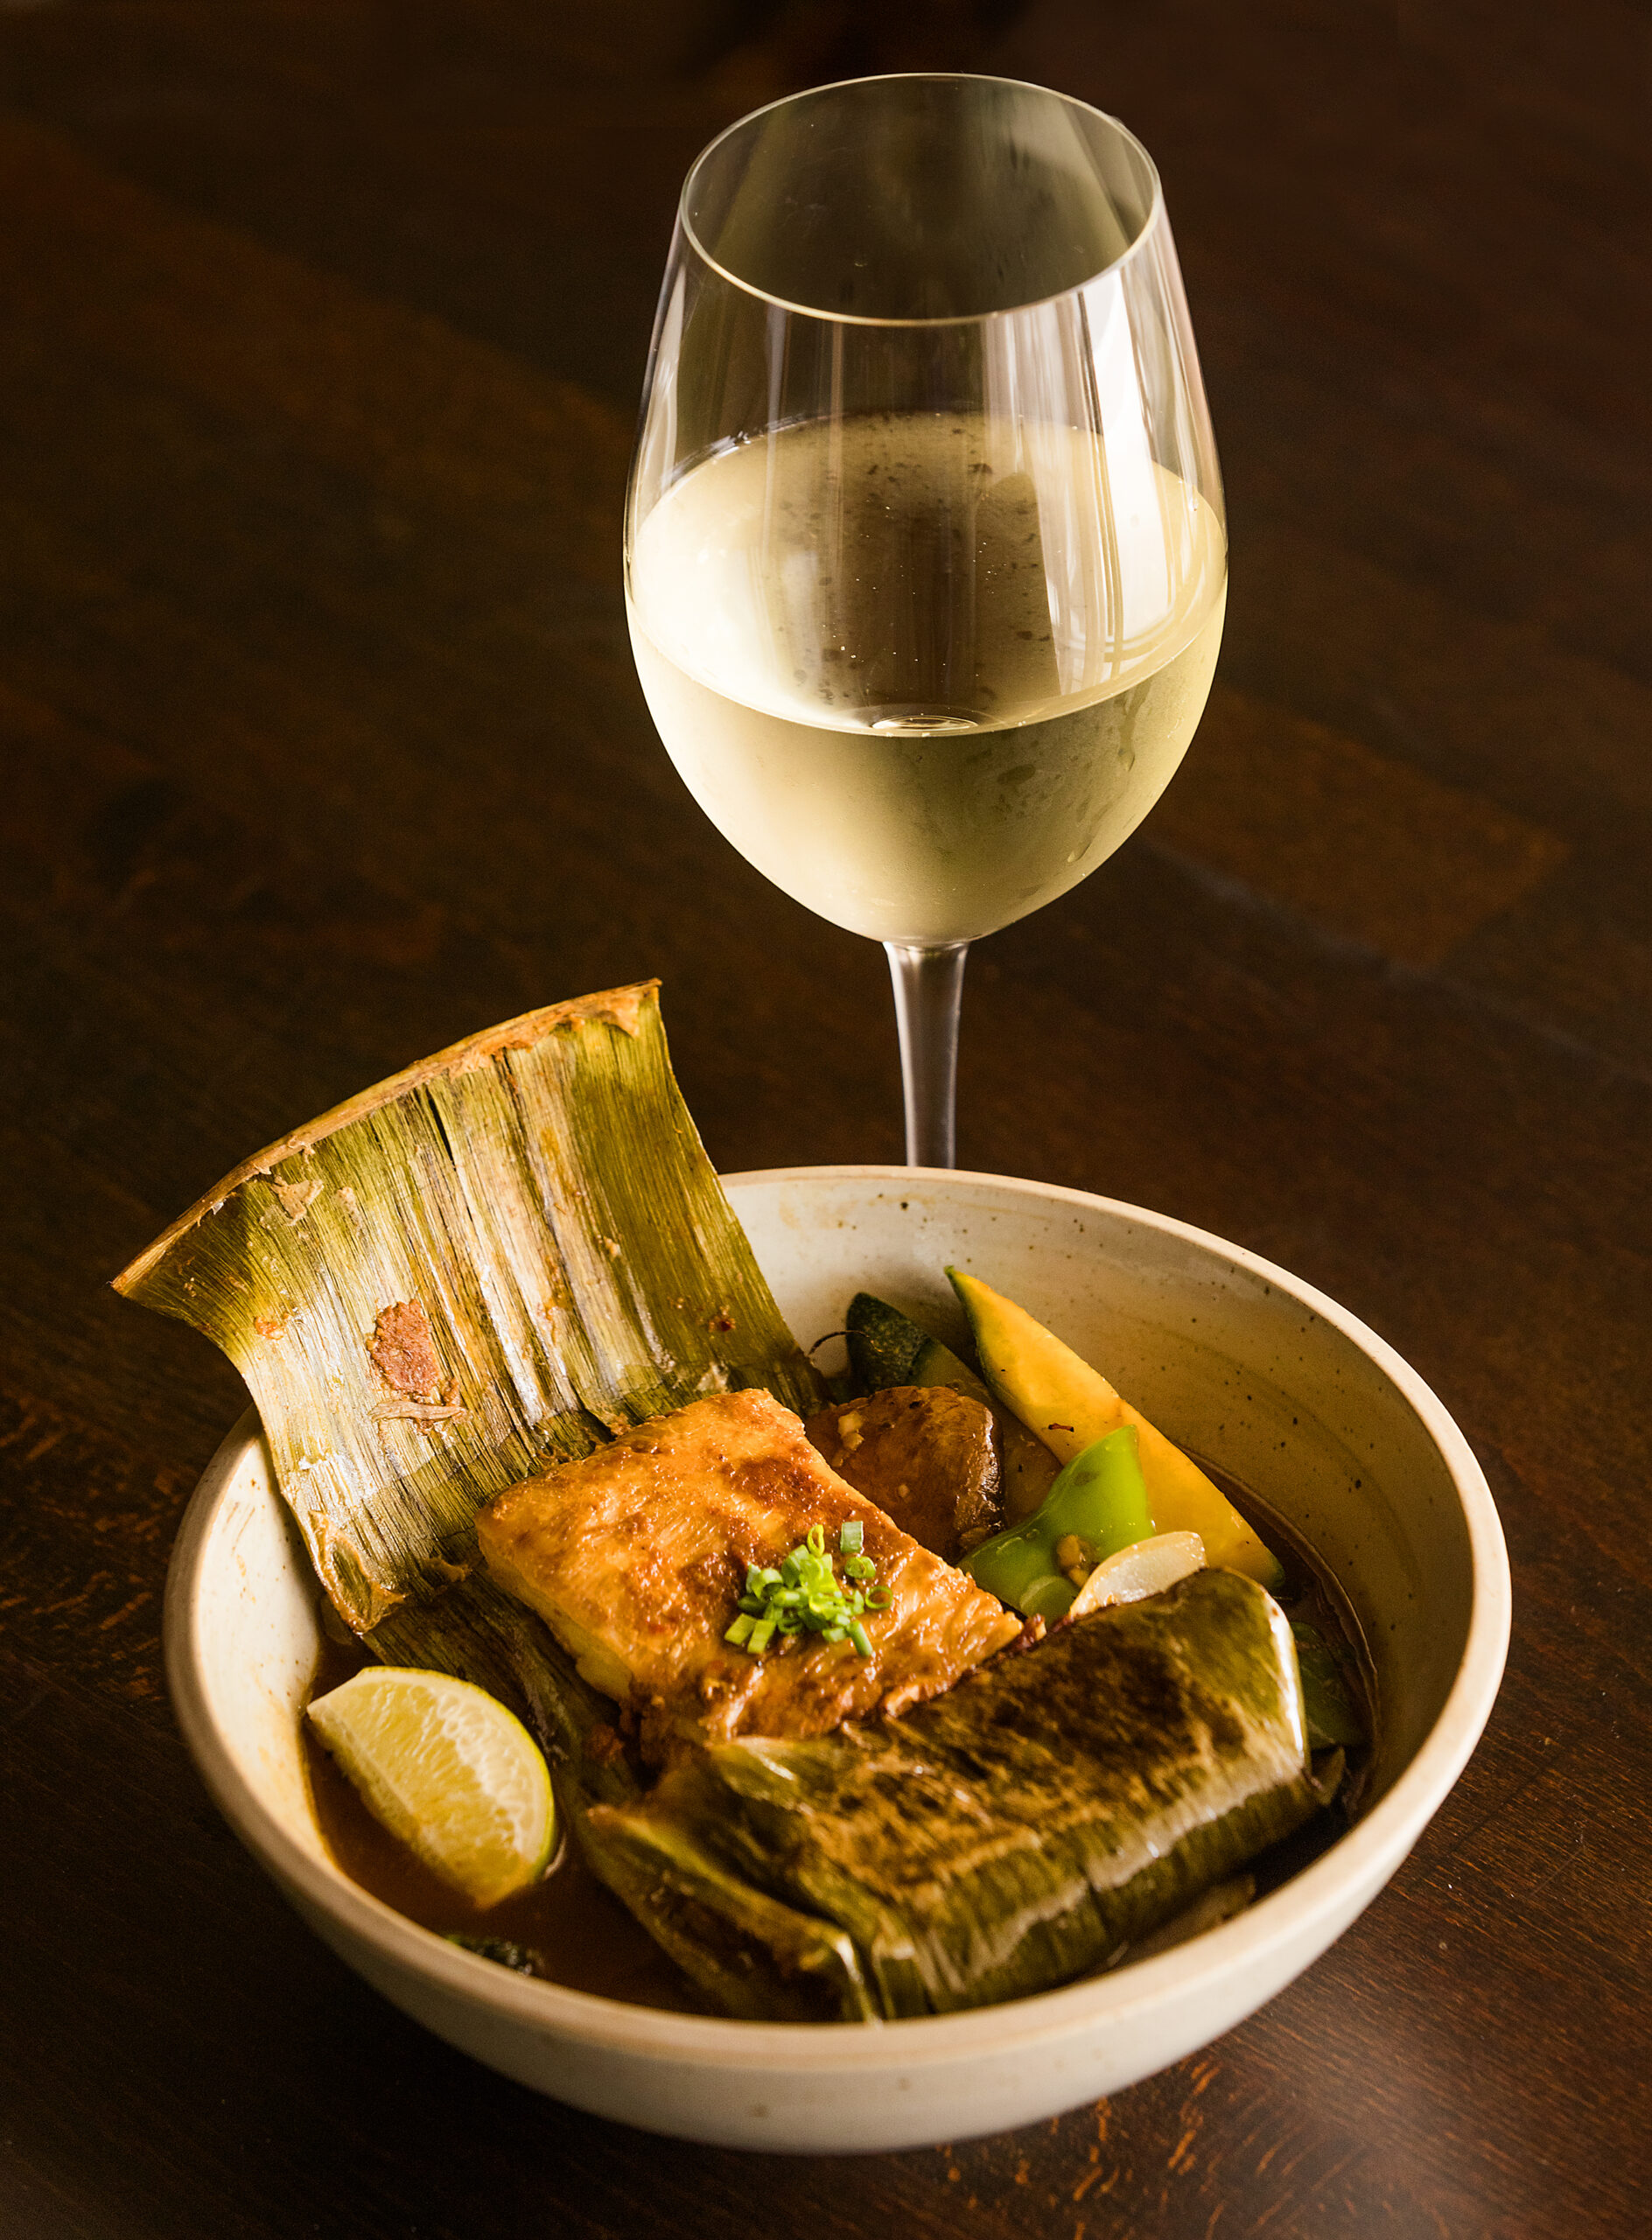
point(449, 1770)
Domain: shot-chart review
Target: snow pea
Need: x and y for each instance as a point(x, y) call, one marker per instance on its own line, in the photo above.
point(1100, 1500)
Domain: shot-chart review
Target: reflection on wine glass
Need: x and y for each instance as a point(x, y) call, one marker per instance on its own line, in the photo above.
point(924, 557)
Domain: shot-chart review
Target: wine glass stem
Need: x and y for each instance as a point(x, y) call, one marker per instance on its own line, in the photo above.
point(928, 991)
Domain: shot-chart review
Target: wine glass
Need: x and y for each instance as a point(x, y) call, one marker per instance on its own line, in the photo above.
point(926, 561)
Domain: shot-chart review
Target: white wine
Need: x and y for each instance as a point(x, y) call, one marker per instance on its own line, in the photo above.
point(928, 671)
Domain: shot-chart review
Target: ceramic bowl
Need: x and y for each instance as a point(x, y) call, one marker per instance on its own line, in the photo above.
point(1231, 1356)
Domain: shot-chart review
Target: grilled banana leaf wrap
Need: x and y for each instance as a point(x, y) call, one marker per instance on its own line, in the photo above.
point(1014, 1833)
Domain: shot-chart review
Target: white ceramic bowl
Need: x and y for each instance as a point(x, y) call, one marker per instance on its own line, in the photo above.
point(1230, 1355)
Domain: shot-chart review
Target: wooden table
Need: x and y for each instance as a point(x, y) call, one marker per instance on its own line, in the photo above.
point(322, 325)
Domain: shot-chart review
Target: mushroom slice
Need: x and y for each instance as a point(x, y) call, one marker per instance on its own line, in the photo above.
point(925, 1453)
point(1147, 1568)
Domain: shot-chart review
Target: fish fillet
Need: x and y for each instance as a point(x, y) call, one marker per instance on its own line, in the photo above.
point(635, 1556)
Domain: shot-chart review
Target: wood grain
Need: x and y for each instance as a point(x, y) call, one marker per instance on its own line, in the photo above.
point(1364, 844)
point(321, 329)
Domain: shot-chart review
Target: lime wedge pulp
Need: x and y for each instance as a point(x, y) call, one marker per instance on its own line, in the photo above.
point(449, 1770)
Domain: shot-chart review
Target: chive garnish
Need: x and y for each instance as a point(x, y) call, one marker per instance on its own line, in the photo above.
point(804, 1594)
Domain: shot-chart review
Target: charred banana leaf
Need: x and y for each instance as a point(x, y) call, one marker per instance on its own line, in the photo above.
point(1005, 1837)
point(496, 1259)
point(751, 1956)
point(756, 1956)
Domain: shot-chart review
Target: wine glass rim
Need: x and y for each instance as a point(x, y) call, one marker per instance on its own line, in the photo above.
point(1154, 212)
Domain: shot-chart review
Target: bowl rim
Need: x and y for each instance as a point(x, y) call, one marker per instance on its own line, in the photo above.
point(1357, 1864)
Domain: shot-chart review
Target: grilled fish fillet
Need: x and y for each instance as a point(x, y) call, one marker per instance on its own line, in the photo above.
point(635, 1557)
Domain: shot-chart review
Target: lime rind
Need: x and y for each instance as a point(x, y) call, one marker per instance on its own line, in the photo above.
point(447, 1769)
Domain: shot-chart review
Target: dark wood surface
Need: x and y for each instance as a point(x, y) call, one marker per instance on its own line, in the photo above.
point(321, 327)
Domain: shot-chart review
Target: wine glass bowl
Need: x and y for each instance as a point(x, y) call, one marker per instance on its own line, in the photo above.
point(925, 556)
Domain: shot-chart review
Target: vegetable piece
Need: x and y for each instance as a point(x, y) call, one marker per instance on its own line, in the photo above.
point(1332, 1715)
point(1097, 1506)
point(925, 1455)
point(1069, 1405)
point(997, 1840)
point(888, 1349)
point(1148, 1568)
point(449, 1770)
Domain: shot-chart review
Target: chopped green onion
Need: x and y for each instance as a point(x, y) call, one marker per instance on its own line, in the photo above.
point(805, 1595)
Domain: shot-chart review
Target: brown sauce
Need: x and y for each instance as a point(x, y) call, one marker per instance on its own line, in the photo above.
point(580, 1936)
point(579, 1933)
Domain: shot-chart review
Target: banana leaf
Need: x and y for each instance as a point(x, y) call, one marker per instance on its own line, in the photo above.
point(751, 1955)
point(1009, 1836)
point(492, 1261)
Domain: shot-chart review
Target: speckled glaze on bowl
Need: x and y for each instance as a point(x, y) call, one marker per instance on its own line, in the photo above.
point(1232, 1357)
